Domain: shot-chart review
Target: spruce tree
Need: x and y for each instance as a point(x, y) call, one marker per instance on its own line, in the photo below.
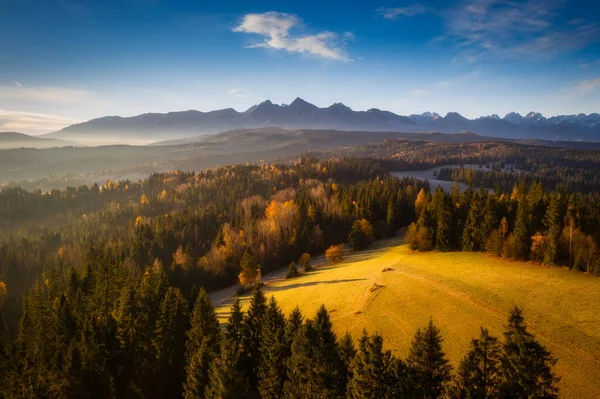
point(526, 364)
point(203, 338)
point(553, 229)
point(372, 369)
point(315, 363)
point(522, 231)
point(227, 377)
point(428, 365)
point(479, 372)
point(347, 351)
point(272, 371)
point(251, 345)
point(169, 345)
point(235, 322)
point(442, 210)
point(293, 325)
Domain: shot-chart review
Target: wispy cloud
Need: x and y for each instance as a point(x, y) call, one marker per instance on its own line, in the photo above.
point(240, 93)
point(590, 64)
point(587, 86)
point(512, 29)
point(275, 28)
point(33, 123)
point(397, 12)
point(418, 92)
point(53, 94)
point(18, 84)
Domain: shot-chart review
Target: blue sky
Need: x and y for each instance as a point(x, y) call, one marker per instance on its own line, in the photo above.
point(63, 61)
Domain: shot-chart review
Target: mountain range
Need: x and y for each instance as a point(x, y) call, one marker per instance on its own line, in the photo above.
point(300, 114)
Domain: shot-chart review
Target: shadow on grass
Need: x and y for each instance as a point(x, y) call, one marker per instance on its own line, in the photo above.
point(310, 284)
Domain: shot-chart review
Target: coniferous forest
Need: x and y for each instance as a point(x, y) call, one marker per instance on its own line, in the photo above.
point(104, 289)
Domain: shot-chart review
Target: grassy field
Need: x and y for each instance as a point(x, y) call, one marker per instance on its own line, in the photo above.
point(461, 292)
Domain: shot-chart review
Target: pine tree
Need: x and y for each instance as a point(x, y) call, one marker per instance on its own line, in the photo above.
point(526, 364)
point(479, 372)
point(127, 316)
point(522, 231)
point(372, 369)
point(227, 378)
point(428, 365)
point(169, 345)
point(315, 363)
point(251, 345)
point(202, 347)
point(347, 351)
point(235, 322)
point(293, 325)
point(472, 238)
point(442, 210)
point(272, 371)
point(292, 270)
point(553, 228)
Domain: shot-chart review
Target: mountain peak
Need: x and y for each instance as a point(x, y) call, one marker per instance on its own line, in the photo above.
point(299, 103)
point(454, 116)
point(340, 107)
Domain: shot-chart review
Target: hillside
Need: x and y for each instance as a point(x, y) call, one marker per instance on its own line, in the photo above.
point(461, 292)
point(10, 140)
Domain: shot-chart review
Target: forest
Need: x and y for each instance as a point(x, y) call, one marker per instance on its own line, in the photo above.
point(104, 287)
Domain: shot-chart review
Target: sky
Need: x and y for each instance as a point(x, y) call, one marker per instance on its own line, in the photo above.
point(67, 61)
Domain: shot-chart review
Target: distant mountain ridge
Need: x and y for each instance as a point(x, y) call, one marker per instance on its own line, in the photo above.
point(300, 114)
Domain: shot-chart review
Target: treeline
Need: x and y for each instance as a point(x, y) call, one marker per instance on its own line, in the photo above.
point(555, 228)
point(573, 169)
point(197, 227)
point(106, 335)
point(496, 177)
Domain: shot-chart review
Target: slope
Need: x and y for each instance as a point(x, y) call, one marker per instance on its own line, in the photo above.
point(461, 292)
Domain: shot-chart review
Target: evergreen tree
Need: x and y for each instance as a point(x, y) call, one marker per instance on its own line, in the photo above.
point(202, 346)
point(442, 210)
point(315, 363)
point(522, 231)
point(372, 369)
point(251, 345)
point(227, 378)
point(472, 238)
point(169, 345)
point(526, 364)
point(479, 372)
point(272, 370)
point(347, 351)
point(553, 229)
point(428, 365)
point(235, 322)
point(293, 325)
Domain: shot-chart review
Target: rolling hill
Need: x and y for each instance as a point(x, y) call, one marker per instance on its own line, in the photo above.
point(391, 290)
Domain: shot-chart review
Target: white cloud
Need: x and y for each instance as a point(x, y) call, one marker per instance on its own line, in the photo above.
point(233, 91)
point(275, 28)
point(418, 92)
point(31, 122)
point(409, 11)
